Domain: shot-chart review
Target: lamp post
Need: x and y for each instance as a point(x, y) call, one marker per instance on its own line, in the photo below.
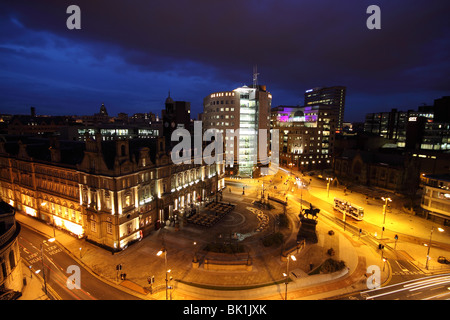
point(384, 212)
point(429, 245)
point(287, 273)
point(42, 260)
point(160, 252)
point(45, 204)
point(328, 186)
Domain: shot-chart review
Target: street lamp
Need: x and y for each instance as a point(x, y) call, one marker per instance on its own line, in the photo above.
point(42, 260)
point(429, 245)
point(160, 252)
point(328, 185)
point(384, 212)
point(287, 273)
point(44, 204)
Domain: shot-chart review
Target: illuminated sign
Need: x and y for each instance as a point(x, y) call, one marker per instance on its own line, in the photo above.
point(412, 119)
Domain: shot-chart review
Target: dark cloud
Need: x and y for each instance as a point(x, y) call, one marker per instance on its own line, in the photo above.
point(133, 52)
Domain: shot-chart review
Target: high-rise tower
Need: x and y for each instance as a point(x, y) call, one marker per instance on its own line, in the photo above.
point(246, 109)
point(332, 96)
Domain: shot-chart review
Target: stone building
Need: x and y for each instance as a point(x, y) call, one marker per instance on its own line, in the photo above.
point(111, 192)
point(11, 276)
point(436, 197)
point(395, 172)
point(306, 135)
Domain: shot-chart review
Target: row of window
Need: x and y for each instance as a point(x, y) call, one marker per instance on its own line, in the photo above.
point(216, 102)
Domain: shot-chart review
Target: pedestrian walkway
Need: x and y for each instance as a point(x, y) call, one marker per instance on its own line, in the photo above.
point(33, 287)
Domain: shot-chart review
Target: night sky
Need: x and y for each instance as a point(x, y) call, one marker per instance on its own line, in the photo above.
point(129, 54)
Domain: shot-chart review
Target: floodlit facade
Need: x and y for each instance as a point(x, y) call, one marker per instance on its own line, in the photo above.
point(306, 135)
point(112, 193)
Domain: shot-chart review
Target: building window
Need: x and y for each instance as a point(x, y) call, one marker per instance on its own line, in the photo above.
point(12, 260)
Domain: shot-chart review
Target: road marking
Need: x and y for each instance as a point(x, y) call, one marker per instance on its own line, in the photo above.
point(438, 296)
point(401, 266)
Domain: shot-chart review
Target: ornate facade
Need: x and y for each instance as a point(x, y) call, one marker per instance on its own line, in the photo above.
point(11, 276)
point(111, 192)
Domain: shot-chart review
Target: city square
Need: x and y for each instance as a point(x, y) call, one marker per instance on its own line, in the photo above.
point(173, 151)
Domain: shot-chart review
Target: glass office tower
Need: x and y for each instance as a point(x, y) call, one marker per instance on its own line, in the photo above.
point(247, 109)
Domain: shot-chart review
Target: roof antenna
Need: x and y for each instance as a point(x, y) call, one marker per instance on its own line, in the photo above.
point(255, 76)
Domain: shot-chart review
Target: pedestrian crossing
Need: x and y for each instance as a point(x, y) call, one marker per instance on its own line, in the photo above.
point(406, 273)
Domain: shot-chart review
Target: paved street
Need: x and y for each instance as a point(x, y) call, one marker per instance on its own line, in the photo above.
point(56, 263)
point(426, 288)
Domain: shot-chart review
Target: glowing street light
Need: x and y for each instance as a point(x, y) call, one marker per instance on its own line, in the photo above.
point(429, 245)
point(42, 260)
point(328, 185)
point(384, 212)
point(286, 275)
point(159, 253)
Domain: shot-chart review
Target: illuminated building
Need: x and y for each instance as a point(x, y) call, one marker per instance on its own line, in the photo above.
point(436, 196)
point(246, 109)
point(331, 96)
point(411, 130)
point(306, 135)
point(11, 276)
point(112, 192)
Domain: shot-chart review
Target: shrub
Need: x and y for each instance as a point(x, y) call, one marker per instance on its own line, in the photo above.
point(331, 265)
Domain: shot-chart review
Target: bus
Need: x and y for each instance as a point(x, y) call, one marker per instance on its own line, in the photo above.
point(347, 208)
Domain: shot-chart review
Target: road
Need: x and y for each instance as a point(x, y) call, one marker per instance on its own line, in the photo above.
point(402, 268)
point(56, 263)
point(426, 288)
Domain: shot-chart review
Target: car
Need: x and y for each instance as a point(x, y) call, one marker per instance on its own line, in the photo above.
point(443, 260)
